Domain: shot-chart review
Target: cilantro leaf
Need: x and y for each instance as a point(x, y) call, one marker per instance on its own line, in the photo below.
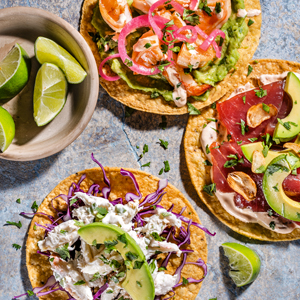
point(260, 93)
point(80, 224)
point(146, 165)
point(218, 8)
point(272, 225)
point(157, 237)
point(80, 282)
point(63, 251)
point(154, 95)
point(30, 293)
point(210, 189)
point(122, 238)
point(138, 264)
point(139, 284)
point(19, 224)
point(128, 62)
point(18, 201)
point(250, 22)
point(147, 45)
point(131, 256)
point(167, 166)
point(152, 266)
point(207, 163)
point(16, 246)
point(164, 144)
point(184, 281)
point(192, 109)
point(244, 99)
point(266, 107)
point(161, 171)
point(34, 205)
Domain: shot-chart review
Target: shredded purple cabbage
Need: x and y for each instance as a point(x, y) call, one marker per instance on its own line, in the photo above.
point(131, 196)
point(101, 290)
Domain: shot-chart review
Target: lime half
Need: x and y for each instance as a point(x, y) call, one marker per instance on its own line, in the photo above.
point(47, 51)
point(7, 129)
point(14, 72)
point(244, 263)
point(50, 92)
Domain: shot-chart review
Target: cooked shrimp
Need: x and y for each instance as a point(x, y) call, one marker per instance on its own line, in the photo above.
point(147, 50)
point(216, 20)
point(116, 13)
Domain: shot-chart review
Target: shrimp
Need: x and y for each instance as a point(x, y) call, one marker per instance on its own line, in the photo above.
point(147, 50)
point(116, 13)
point(216, 20)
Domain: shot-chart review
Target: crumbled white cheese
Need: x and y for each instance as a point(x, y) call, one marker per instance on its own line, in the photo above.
point(64, 233)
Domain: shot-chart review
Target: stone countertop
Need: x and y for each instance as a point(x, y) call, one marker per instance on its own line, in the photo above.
point(113, 139)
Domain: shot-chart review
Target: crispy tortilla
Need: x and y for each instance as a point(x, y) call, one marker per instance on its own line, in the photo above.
point(140, 100)
point(200, 173)
point(38, 265)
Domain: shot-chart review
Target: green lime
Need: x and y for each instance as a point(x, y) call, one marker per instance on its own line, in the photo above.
point(244, 263)
point(7, 129)
point(49, 95)
point(47, 51)
point(14, 72)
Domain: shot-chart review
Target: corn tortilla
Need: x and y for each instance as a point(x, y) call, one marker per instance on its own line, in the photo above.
point(200, 173)
point(140, 100)
point(38, 266)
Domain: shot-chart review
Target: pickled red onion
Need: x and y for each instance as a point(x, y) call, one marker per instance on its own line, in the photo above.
point(194, 4)
point(182, 37)
point(141, 21)
point(179, 8)
point(210, 39)
point(104, 76)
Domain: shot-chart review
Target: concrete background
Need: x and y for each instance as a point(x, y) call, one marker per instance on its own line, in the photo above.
point(113, 139)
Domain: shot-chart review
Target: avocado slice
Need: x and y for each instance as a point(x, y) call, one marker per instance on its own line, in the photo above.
point(138, 282)
point(276, 172)
point(250, 148)
point(292, 87)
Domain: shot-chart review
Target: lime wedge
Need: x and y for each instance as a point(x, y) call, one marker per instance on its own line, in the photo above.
point(47, 51)
point(244, 263)
point(14, 72)
point(7, 129)
point(50, 92)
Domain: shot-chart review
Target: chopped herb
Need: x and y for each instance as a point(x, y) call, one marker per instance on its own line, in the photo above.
point(63, 251)
point(157, 237)
point(178, 85)
point(104, 259)
point(114, 263)
point(138, 264)
point(147, 45)
point(63, 231)
point(244, 99)
point(207, 163)
point(294, 172)
point(228, 137)
point(275, 168)
point(218, 8)
point(51, 259)
point(260, 93)
point(34, 227)
point(128, 264)
point(252, 140)
point(250, 69)
point(34, 205)
point(146, 165)
point(210, 189)
point(128, 62)
point(122, 238)
point(207, 149)
point(19, 224)
point(161, 171)
point(272, 225)
point(152, 266)
point(164, 48)
point(163, 124)
point(266, 107)
point(250, 22)
point(16, 246)
point(109, 292)
point(80, 282)
point(102, 210)
point(95, 277)
point(121, 274)
point(145, 149)
point(287, 125)
point(162, 65)
point(239, 142)
point(260, 170)
point(265, 150)
point(213, 106)
point(184, 281)
point(80, 224)
point(212, 120)
point(298, 215)
point(275, 187)
point(175, 49)
point(166, 214)
point(192, 109)
point(73, 201)
point(244, 127)
point(129, 111)
point(270, 212)
point(30, 293)
point(18, 201)
point(137, 147)
point(217, 147)
point(190, 46)
point(164, 144)
point(191, 17)
point(207, 10)
point(233, 162)
point(131, 256)
point(204, 126)
point(110, 244)
point(139, 284)
point(115, 279)
point(154, 95)
point(167, 166)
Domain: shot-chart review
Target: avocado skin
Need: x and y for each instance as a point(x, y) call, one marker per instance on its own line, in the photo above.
point(292, 88)
point(105, 232)
point(276, 172)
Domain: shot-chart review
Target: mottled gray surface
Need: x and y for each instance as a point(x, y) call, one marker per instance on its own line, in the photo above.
point(113, 140)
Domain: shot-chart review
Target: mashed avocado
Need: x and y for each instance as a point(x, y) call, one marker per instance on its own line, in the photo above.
point(214, 71)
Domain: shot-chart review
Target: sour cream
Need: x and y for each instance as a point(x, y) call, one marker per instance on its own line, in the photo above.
point(242, 13)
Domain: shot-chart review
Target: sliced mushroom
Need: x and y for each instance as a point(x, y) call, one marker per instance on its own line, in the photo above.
point(257, 114)
point(258, 161)
point(294, 147)
point(242, 184)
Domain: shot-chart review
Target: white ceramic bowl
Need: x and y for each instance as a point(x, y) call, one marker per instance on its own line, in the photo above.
point(24, 25)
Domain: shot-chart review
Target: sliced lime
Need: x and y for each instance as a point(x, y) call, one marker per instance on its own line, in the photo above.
point(244, 263)
point(50, 92)
point(14, 72)
point(47, 51)
point(7, 129)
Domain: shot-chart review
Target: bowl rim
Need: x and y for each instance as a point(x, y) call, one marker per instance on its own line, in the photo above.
point(93, 73)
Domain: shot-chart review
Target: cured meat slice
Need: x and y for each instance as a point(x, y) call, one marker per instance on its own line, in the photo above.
point(232, 111)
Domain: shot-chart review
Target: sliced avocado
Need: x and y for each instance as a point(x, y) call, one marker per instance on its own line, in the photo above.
point(138, 282)
point(291, 126)
point(276, 172)
point(250, 148)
